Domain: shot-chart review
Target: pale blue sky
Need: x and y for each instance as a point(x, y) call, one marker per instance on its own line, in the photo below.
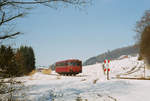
point(69, 33)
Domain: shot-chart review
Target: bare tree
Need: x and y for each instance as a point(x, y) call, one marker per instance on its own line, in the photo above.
point(141, 24)
point(145, 44)
point(140, 31)
point(11, 10)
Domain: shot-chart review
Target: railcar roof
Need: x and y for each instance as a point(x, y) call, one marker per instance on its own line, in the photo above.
point(69, 60)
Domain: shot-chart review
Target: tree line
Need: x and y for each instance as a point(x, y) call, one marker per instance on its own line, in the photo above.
point(114, 54)
point(16, 62)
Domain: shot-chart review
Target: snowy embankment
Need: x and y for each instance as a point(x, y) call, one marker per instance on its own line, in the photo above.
point(90, 85)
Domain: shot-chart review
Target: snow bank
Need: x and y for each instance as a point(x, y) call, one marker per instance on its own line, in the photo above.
point(91, 84)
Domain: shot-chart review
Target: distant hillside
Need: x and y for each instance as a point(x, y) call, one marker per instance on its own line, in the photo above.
point(114, 54)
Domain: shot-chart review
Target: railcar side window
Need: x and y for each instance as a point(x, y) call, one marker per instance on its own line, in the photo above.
point(74, 64)
point(61, 64)
point(69, 64)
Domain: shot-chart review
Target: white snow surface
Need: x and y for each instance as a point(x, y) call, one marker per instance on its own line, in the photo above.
point(91, 84)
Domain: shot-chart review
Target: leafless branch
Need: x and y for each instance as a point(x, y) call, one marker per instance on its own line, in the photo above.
point(13, 9)
point(44, 1)
point(2, 19)
point(8, 36)
point(9, 19)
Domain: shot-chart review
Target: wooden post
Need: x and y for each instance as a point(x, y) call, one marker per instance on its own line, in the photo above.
point(107, 75)
point(144, 71)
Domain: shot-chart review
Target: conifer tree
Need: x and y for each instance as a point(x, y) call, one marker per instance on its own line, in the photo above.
point(25, 59)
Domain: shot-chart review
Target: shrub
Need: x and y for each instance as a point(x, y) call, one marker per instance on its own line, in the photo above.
point(46, 71)
point(32, 72)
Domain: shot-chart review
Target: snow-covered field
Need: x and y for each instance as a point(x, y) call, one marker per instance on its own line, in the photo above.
point(91, 84)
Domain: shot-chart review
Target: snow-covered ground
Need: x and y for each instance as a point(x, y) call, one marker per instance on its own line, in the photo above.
point(91, 84)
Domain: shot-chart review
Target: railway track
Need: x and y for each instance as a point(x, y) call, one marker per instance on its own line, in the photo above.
point(132, 78)
point(70, 75)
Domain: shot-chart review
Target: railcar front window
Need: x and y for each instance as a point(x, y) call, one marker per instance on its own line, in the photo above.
point(78, 64)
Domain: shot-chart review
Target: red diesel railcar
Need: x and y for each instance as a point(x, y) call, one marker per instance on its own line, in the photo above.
point(68, 67)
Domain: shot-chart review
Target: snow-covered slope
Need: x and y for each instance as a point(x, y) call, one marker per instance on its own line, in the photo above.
point(91, 84)
point(94, 72)
point(127, 67)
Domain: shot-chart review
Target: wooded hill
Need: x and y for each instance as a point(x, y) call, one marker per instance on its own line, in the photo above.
point(112, 55)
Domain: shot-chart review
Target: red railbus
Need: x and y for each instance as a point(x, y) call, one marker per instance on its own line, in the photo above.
point(69, 67)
